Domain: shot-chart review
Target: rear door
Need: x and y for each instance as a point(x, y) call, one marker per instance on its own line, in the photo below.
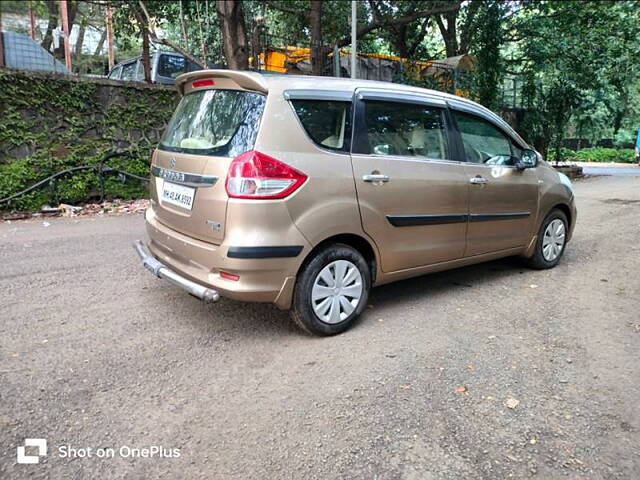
point(412, 195)
point(503, 200)
point(210, 127)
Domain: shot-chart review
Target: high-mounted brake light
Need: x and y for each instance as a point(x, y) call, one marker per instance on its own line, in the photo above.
point(203, 83)
point(257, 176)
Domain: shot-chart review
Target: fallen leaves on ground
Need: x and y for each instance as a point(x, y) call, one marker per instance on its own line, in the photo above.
point(512, 403)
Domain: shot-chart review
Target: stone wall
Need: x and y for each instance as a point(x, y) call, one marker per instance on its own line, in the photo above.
point(51, 122)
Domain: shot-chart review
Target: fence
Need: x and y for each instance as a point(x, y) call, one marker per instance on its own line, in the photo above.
point(56, 36)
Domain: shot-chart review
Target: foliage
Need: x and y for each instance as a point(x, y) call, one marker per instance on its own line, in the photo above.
point(606, 155)
point(50, 124)
point(596, 154)
point(571, 59)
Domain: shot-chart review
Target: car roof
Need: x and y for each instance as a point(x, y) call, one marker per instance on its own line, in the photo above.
point(279, 83)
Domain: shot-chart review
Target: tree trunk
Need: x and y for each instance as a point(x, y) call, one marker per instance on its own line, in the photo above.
point(103, 37)
point(144, 30)
point(52, 8)
point(399, 41)
point(234, 33)
point(80, 41)
point(183, 25)
point(72, 10)
point(318, 50)
point(448, 32)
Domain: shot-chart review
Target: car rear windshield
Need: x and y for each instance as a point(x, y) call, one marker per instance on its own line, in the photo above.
point(214, 122)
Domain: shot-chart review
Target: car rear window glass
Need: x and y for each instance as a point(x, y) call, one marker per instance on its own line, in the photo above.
point(328, 123)
point(129, 71)
point(214, 122)
point(171, 66)
point(115, 73)
point(405, 129)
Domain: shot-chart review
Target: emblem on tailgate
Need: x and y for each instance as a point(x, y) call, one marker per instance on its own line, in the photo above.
point(214, 226)
point(172, 162)
point(170, 175)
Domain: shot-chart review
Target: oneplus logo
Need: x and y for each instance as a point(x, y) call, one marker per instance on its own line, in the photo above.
point(41, 443)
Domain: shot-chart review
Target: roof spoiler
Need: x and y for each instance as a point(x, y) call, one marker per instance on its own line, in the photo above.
point(245, 80)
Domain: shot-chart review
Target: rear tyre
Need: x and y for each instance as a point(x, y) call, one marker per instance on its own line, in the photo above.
point(552, 238)
point(332, 289)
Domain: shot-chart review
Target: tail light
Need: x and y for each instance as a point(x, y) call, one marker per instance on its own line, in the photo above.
point(255, 175)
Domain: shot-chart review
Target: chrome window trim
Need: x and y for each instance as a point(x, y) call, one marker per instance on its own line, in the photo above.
point(401, 97)
point(327, 95)
point(416, 159)
point(183, 178)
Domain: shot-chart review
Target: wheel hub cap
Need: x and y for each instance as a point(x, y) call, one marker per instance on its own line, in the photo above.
point(553, 241)
point(336, 291)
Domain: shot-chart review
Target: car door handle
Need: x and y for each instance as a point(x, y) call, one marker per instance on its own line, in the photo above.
point(478, 180)
point(375, 177)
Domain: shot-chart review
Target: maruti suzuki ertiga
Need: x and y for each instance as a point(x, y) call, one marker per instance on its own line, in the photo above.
point(306, 192)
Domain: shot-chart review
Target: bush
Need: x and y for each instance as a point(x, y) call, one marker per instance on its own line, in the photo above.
point(51, 123)
point(599, 155)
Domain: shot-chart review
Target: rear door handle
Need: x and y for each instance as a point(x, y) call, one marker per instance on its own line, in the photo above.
point(478, 180)
point(375, 177)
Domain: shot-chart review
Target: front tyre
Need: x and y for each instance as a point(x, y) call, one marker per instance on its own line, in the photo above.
point(331, 291)
point(552, 238)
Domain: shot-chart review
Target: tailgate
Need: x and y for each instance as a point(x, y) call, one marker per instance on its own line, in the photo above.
point(216, 121)
point(204, 179)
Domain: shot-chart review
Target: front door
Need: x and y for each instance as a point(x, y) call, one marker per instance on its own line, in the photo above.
point(503, 200)
point(412, 196)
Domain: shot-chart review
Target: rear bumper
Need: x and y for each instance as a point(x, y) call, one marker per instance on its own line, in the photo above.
point(160, 270)
point(269, 280)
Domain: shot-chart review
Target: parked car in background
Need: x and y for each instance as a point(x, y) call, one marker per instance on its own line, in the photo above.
point(307, 191)
point(165, 67)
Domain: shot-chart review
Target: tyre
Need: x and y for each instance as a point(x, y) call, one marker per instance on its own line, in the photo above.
point(331, 290)
point(552, 238)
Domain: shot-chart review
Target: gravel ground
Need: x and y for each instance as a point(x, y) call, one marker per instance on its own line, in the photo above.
point(96, 353)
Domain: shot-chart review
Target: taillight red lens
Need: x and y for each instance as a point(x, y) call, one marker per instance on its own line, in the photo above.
point(257, 176)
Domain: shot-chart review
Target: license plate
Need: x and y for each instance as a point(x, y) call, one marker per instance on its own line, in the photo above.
point(178, 195)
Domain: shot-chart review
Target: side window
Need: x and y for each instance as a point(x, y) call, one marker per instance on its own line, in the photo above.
point(483, 143)
point(139, 71)
point(171, 66)
point(405, 129)
point(115, 73)
point(328, 123)
point(129, 71)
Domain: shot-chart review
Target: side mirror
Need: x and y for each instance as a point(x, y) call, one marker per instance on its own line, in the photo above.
point(528, 159)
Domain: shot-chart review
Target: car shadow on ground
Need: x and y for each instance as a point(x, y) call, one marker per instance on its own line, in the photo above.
point(255, 319)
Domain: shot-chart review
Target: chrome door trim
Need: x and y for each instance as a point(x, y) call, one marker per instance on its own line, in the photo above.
point(183, 178)
point(401, 97)
point(375, 177)
point(478, 180)
point(327, 95)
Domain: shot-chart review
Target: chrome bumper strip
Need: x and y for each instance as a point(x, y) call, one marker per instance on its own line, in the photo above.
point(160, 270)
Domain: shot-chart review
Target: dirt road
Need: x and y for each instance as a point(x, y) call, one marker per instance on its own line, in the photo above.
point(96, 353)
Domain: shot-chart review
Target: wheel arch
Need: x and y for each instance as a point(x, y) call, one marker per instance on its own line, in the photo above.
point(564, 208)
point(357, 242)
